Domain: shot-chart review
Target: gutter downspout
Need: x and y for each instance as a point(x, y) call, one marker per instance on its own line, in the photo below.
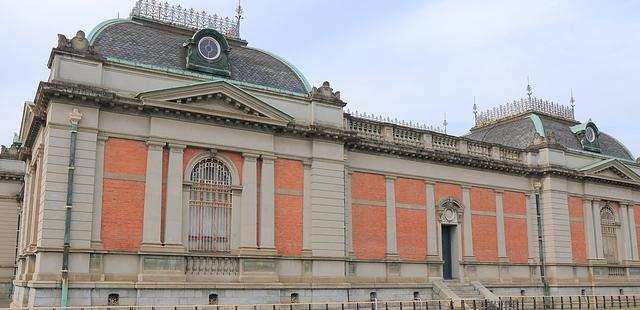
point(545, 284)
point(74, 119)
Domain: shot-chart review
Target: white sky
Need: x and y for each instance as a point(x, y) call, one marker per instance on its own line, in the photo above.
point(412, 60)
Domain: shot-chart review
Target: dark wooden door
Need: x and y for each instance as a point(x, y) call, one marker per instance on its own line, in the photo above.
point(446, 252)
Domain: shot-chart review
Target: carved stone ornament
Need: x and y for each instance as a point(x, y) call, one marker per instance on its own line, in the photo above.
point(75, 116)
point(326, 93)
point(449, 212)
point(79, 43)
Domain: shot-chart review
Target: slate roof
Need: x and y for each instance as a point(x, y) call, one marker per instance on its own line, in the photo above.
point(161, 45)
point(519, 133)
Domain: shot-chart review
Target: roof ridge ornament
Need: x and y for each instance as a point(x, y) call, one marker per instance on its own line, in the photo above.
point(325, 93)
point(529, 89)
point(177, 15)
point(78, 43)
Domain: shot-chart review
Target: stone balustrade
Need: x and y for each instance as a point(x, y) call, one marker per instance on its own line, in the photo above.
point(212, 266)
point(405, 135)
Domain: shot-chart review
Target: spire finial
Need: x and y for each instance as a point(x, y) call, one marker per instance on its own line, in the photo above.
point(239, 17)
point(445, 123)
point(475, 110)
point(572, 100)
point(529, 88)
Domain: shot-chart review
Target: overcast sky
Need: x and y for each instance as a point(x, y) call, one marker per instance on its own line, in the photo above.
point(412, 60)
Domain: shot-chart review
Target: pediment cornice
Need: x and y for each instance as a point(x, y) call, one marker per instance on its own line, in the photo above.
point(217, 98)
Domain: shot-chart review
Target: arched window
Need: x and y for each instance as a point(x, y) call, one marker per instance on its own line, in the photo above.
point(210, 207)
point(113, 300)
point(609, 234)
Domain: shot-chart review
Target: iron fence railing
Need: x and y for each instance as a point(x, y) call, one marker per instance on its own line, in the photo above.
point(502, 303)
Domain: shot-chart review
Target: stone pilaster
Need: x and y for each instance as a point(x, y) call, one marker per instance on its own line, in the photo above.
point(249, 210)
point(625, 232)
point(502, 246)
point(634, 235)
point(96, 225)
point(589, 232)
point(432, 221)
point(392, 242)
point(597, 229)
point(348, 211)
point(174, 209)
point(466, 224)
point(306, 210)
point(152, 197)
point(267, 204)
point(532, 227)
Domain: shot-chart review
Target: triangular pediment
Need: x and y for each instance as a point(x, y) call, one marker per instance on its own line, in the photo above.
point(611, 169)
point(217, 98)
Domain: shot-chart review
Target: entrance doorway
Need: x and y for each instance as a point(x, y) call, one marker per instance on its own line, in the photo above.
point(447, 266)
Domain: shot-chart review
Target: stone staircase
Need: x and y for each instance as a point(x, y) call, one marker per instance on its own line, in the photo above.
point(456, 290)
point(464, 290)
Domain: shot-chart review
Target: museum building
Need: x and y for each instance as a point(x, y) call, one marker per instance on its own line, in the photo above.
point(169, 162)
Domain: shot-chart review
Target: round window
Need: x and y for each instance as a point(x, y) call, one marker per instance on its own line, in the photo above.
point(590, 134)
point(209, 48)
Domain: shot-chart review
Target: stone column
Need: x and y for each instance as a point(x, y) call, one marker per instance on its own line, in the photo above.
point(96, 225)
point(392, 242)
point(174, 209)
point(468, 231)
point(348, 209)
point(152, 195)
point(597, 229)
point(432, 221)
point(589, 232)
point(267, 203)
point(634, 234)
point(249, 210)
point(502, 246)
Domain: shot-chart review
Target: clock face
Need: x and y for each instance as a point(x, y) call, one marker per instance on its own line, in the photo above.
point(590, 134)
point(209, 48)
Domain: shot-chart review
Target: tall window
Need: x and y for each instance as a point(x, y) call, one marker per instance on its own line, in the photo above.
point(609, 234)
point(210, 207)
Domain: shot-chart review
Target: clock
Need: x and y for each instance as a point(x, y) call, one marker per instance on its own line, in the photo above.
point(209, 48)
point(590, 134)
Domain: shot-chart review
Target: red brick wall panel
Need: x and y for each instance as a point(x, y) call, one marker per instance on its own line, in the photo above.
point(410, 191)
point(514, 203)
point(288, 225)
point(369, 232)
point(123, 200)
point(444, 190)
point(123, 156)
point(367, 186)
point(411, 233)
point(289, 176)
point(516, 238)
point(485, 240)
point(483, 199)
point(578, 239)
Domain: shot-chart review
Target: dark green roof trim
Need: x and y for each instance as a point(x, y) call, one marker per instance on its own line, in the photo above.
point(201, 75)
point(537, 123)
point(93, 34)
point(302, 78)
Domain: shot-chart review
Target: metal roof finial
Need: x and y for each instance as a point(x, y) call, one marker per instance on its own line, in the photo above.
point(445, 122)
point(572, 100)
point(529, 89)
point(475, 110)
point(239, 17)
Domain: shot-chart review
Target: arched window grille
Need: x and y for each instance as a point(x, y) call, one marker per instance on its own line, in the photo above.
point(113, 300)
point(210, 207)
point(609, 234)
